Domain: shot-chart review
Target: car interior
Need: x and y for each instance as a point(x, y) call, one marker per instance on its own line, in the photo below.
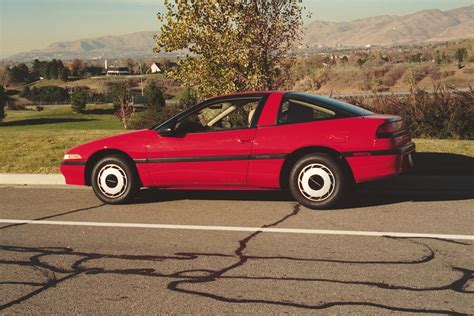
point(227, 115)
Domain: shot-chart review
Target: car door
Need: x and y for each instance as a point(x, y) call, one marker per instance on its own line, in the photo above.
point(210, 147)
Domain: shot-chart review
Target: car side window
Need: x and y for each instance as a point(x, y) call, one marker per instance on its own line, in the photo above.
point(296, 111)
point(220, 116)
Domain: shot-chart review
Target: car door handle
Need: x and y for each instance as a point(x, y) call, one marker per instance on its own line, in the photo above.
point(240, 141)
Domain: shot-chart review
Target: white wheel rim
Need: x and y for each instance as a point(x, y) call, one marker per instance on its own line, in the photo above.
point(112, 181)
point(316, 182)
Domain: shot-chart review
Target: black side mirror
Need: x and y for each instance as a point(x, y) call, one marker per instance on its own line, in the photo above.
point(166, 131)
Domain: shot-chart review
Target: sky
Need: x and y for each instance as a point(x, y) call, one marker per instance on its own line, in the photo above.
point(34, 24)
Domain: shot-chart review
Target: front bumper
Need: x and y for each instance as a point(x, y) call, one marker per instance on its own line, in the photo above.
point(73, 172)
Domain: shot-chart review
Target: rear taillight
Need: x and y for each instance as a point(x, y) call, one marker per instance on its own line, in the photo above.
point(390, 129)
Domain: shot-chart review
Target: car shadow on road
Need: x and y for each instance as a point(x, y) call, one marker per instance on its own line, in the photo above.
point(436, 177)
point(391, 191)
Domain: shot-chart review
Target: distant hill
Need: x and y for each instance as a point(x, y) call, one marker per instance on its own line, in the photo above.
point(139, 44)
point(420, 27)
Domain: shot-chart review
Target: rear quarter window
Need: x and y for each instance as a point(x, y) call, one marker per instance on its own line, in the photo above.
point(294, 111)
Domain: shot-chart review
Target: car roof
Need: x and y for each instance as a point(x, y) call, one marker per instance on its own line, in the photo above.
point(252, 93)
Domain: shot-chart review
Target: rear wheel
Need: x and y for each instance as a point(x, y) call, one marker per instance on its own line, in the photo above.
point(318, 181)
point(114, 180)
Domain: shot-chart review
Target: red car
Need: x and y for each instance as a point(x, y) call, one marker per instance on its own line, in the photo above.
point(316, 147)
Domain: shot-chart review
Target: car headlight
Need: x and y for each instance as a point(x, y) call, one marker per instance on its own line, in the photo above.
point(72, 156)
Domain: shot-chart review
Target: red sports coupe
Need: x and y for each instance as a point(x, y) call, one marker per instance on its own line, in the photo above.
point(316, 147)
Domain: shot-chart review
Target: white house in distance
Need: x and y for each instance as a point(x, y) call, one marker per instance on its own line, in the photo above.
point(155, 68)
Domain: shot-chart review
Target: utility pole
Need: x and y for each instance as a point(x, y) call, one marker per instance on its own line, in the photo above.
point(141, 75)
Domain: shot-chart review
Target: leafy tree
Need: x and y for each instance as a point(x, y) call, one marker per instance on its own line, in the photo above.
point(115, 91)
point(3, 102)
point(4, 75)
point(64, 74)
point(130, 65)
point(123, 98)
point(234, 45)
point(76, 67)
point(78, 100)
point(154, 95)
point(53, 72)
point(36, 68)
point(19, 73)
point(461, 55)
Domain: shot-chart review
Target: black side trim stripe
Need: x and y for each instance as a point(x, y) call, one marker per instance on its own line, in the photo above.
point(395, 151)
point(263, 157)
point(211, 158)
point(74, 163)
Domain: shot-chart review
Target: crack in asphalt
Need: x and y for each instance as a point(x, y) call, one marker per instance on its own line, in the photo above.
point(38, 260)
point(56, 215)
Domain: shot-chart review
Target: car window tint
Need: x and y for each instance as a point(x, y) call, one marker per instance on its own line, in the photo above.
point(296, 111)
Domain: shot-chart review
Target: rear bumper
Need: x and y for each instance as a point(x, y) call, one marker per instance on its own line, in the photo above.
point(374, 165)
point(73, 173)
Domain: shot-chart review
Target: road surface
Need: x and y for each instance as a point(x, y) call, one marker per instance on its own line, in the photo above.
point(239, 252)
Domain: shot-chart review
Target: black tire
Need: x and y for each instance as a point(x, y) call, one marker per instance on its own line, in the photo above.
point(318, 181)
point(114, 180)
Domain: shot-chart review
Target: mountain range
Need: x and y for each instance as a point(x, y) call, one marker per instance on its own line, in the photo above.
point(420, 27)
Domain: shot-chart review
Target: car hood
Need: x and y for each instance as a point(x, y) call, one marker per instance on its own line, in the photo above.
point(132, 143)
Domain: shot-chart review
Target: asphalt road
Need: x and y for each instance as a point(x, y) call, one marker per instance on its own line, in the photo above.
point(64, 268)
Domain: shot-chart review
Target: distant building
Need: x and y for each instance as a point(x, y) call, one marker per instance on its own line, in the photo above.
point(155, 68)
point(117, 71)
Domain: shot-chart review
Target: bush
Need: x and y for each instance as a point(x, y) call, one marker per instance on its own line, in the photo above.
point(97, 97)
point(441, 114)
point(153, 116)
point(51, 94)
point(78, 100)
point(26, 92)
point(154, 95)
point(393, 75)
point(3, 102)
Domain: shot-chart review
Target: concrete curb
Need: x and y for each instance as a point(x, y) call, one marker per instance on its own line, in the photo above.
point(31, 179)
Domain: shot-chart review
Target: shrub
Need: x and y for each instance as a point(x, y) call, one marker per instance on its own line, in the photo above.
point(52, 94)
point(154, 95)
point(393, 75)
point(78, 100)
point(25, 93)
point(153, 116)
point(3, 102)
point(441, 114)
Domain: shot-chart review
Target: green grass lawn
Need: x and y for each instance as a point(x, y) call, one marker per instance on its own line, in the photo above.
point(451, 146)
point(35, 142)
point(62, 118)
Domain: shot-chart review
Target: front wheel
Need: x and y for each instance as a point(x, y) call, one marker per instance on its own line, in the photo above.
point(114, 180)
point(318, 181)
